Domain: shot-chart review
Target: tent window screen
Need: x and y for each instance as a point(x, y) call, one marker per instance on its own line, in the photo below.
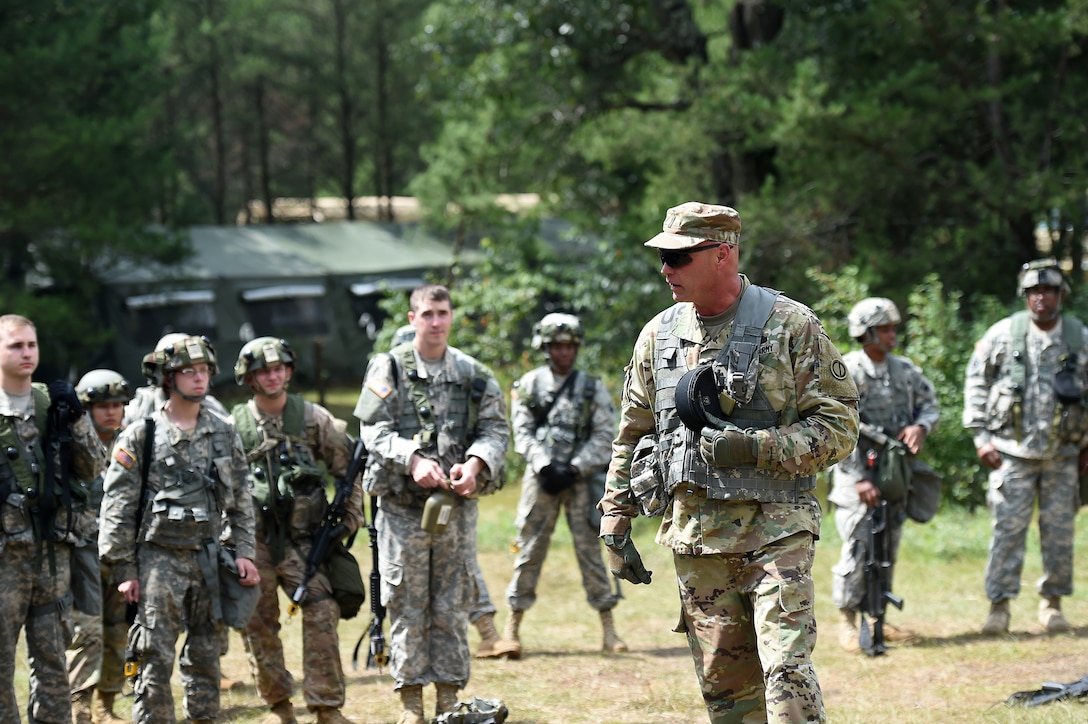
point(291, 310)
point(154, 315)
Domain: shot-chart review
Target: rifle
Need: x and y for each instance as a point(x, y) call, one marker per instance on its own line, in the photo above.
point(376, 658)
point(878, 592)
point(332, 528)
point(1051, 691)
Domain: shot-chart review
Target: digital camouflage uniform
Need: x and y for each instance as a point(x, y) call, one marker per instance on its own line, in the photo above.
point(568, 435)
point(893, 395)
point(150, 398)
point(34, 577)
point(427, 579)
point(196, 484)
point(743, 567)
point(1039, 439)
point(323, 440)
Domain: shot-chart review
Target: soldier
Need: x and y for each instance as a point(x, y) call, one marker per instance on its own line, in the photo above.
point(897, 401)
point(734, 399)
point(1023, 403)
point(482, 613)
point(96, 656)
point(434, 421)
point(176, 489)
point(150, 397)
point(37, 490)
point(564, 422)
point(286, 438)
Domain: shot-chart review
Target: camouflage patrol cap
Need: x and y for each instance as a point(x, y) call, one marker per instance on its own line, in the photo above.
point(694, 223)
point(1041, 273)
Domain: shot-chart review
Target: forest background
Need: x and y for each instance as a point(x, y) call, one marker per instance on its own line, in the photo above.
point(919, 151)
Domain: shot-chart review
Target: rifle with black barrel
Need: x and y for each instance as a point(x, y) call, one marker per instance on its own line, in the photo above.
point(376, 656)
point(332, 528)
point(878, 593)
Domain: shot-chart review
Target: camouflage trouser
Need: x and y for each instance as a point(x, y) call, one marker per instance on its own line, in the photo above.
point(848, 575)
point(33, 596)
point(427, 589)
point(739, 610)
point(323, 682)
point(174, 597)
point(96, 656)
point(481, 598)
point(538, 513)
point(1011, 497)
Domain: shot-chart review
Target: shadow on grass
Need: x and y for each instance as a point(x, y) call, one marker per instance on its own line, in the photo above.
point(670, 652)
point(971, 637)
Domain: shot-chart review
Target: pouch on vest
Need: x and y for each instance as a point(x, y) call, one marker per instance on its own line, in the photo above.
point(86, 580)
point(893, 471)
point(346, 581)
point(238, 602)
point(924, 496)
point(647, 484)
point(1066, 387)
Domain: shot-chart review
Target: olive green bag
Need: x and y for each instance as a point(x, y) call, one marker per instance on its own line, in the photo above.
point(893, 472)
point(346, 581)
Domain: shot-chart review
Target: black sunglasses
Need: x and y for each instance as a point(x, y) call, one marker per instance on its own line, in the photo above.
point(677, 259)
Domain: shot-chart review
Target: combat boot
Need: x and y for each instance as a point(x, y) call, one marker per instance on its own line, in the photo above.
point(613, 644)
point(489, 637)
point(81, 706)
point(997, 623)
point(510, 645)
point(102, 709)
point(848, 631)
point(411, 699)
point(1050, 615)
point(331, 715)
point(282, 712)
point(446, 698)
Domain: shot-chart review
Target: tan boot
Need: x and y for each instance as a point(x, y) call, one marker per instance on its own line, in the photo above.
point(411, 699)
point(282, 712)
point(489, 637)
point(102, 708)
point(613, 644)
point(848, 631)
point(997, 623)
point(446, 698)
point(510, 645)
point(331, 715)
point(1050, 615)
point(81, 706)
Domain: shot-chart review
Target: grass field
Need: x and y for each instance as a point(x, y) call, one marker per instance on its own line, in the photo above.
point(950, 675)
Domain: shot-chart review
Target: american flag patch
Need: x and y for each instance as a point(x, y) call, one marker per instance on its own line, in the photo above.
point(379, 388)
point(124, 457)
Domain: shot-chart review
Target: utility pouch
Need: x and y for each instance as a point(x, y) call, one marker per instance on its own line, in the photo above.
point(86, 580)
point(647, 484)
point(893, 472)
point(14, 515)
point(346, 581)
point(924, 496)
point(1066, 387)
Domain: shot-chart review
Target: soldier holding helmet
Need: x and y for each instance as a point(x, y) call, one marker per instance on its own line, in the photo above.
point(897, 401)
point(96, 654)
point(175, 491)
point(1024, 405)
point(286, 438)
point(564, 422)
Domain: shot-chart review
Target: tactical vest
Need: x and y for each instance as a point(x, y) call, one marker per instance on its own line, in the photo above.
point(444, 440)
point(1072, 338)
point(891, 412)
point(561, 434)
point(740, 357)
point(184, 511)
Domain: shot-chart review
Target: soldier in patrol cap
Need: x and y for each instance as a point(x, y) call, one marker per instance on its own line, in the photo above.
point(564, 422)
point(97, 653)
point(176, 491)
point(734, 399)
point(285, 438)
point(1024, 405)
point(897, 401)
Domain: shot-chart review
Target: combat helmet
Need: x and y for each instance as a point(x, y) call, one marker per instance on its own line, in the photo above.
point(103, 386)
point(1041, 273)
point(871, 312)
point(557, 327)
point(261, 352)
point(185, 352)
point(404, 334)
point(151, 365)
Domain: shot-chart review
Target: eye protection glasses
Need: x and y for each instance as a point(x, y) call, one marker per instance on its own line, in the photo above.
point(677, 259)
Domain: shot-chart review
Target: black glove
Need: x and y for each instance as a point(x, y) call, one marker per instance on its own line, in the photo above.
point(62, 393)
point(624, 560)
point(557, 477)
point(728, 448)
